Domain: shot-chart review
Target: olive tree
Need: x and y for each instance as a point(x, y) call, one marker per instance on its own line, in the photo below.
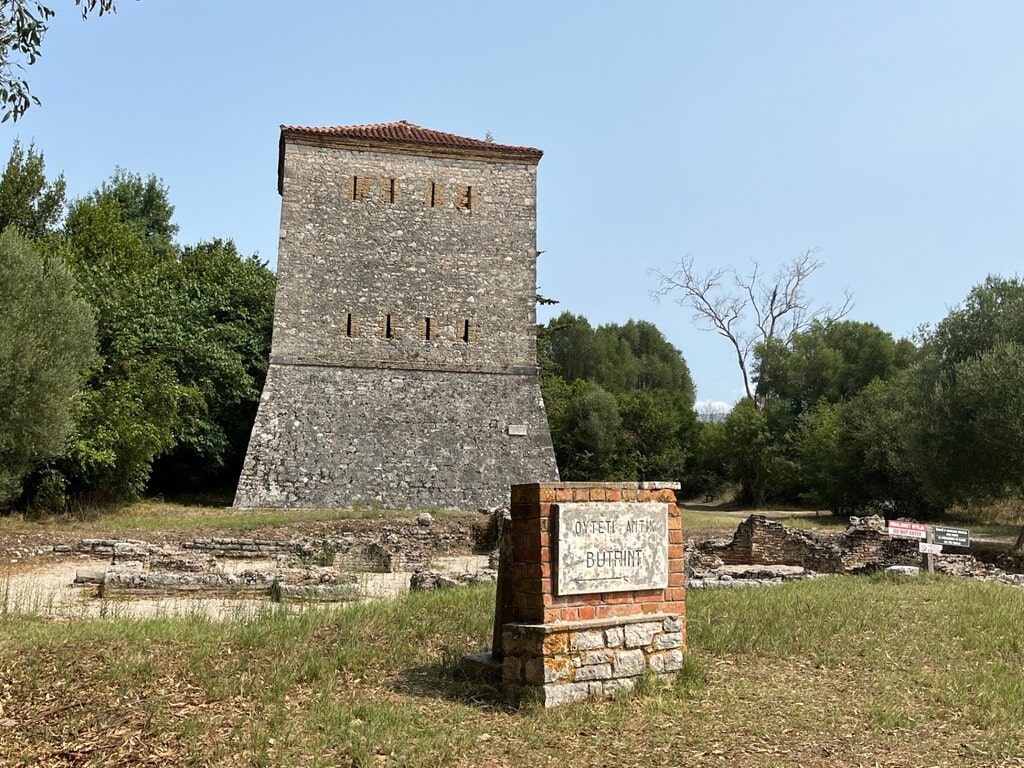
point(47, 341)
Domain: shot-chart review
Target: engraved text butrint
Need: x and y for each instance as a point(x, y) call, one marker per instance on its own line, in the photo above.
point(611, 547)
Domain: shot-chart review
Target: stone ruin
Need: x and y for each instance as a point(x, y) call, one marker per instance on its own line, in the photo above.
point(329, 568)
point(336, 567)
point(764, 551)
point(862, 548)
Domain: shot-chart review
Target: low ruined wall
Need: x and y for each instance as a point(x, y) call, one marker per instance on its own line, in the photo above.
point(864, 546)
point(866, 549)
point(760, 541)
point(387, 547)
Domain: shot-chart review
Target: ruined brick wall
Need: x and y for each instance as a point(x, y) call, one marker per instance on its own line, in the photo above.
point(867, 549)
point(760, 541)
point(403, 361)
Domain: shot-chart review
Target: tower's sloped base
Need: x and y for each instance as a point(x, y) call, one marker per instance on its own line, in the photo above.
point(330, 436)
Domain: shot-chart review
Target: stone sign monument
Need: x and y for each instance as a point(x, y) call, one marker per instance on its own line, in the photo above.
point(403, 366)
point(611, 546)
point(591, 589)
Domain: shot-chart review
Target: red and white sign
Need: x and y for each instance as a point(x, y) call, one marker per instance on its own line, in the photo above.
point(902, 529)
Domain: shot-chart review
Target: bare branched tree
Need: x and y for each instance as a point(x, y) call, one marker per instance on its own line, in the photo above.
point(748, 309)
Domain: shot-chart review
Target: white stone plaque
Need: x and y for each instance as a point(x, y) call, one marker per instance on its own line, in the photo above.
point(611, 546)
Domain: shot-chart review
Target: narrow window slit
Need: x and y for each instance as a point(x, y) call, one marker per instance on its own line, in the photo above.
point(348, 326)
point(426, 329)
point(433, 193)
point(389, 332)
point(355, 187)
point(465, 331)
point(391, 192)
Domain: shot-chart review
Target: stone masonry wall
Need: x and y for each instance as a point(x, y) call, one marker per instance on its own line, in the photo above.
point(403, 361)
point(566, 663)
point(346, 264)
point(332, 437)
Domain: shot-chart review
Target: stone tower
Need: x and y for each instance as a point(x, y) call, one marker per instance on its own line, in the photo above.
point(403, 365)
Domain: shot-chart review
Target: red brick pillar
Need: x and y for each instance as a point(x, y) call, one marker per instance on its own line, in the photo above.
point(574, 641)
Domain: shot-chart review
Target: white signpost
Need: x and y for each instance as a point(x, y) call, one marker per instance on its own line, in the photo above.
point(904, 529)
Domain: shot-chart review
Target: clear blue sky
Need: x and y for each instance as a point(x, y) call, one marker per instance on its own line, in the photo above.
point(886, 134)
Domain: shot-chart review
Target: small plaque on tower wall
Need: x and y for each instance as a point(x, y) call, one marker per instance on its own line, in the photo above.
point(611, 547)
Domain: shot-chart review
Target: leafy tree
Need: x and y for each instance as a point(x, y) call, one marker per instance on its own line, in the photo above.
point(709, 470)
point(584, 425)
point(229, 319)
point(23, 24)
point(142, 204)
point(28, 201)
point(638, 357)
point(655, 434)
point(968, 414)
point(46, 345)
point(818, 450)
point(183, 333)
point(570, 348)
point(992, 313)
point(135, 405)
point(619, 400)
point(755, 459)
point(803, 387)
point(875, 466)
point(830, 361)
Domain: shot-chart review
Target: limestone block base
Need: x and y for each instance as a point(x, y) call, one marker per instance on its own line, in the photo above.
point(565, 662)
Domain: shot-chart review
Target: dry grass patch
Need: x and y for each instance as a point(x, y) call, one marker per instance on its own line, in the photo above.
point(837, 672)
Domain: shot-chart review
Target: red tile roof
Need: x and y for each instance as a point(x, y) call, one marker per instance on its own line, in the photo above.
point(411, 135)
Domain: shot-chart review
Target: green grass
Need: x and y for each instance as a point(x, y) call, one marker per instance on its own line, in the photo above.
point(838, 671)
point(159, 516)
point(701, 517)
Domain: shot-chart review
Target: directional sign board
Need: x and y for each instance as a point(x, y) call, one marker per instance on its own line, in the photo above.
point(907, 530)
point(952, 537)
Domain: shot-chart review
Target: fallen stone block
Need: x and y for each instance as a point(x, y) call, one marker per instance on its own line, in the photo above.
point(903, 571)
